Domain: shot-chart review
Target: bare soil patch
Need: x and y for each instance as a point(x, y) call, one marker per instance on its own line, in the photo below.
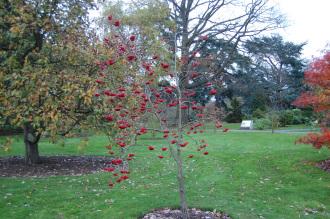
point(52, 166)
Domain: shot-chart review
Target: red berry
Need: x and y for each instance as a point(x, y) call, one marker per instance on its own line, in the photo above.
point(109, 169)
point(173, 141)
point(110, 62)
point(213, 91)
point(109, 118)
point(121, 144)
point(164, 65)
point(151, 148)
point(116, 23)
point(184, 144)
point(131, 57)
point(132, 38)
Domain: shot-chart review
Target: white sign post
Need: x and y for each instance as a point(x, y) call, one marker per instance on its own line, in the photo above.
point(247, 125)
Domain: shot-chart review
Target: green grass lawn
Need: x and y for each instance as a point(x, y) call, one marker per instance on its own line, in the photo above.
point(246, 174)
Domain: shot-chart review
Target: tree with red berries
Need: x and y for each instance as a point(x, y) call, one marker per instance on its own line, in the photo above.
point(317, 77)
point(134, 86)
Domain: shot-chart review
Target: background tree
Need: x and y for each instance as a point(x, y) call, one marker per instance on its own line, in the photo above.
point(45, 83)
point(235, 108)
point(197, 21)
point(317, 77)
point(148, 20)
point(238, 79)
point(267, 74)
point(279, 66)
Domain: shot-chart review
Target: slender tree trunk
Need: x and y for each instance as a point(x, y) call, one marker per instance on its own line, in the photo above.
point(182, 192)
point(180, 176)
point(31, 139)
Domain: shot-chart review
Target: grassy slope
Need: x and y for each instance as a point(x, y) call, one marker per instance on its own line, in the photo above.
point(248, 175)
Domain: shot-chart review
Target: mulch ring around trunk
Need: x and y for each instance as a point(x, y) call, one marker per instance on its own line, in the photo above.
point(194, 213)
point(52, 166)
point(324, 165)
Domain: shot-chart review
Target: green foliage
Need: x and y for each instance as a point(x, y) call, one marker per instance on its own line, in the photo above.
point(235, 113)
point(258, 100)
point(282, 118)
point(269, 120)
point(278, 67)
point(6, 144)
point(292, 117)
point(147, 19)
point(274, 118)
point(45, 78)
point(258, 114)
point(262, 123)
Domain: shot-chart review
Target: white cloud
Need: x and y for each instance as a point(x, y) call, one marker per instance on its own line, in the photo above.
point(308, 22)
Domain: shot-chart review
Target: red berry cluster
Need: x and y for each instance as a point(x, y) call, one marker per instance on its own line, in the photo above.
point(128, 91)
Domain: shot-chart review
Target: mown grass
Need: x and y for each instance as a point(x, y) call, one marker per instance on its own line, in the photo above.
point(246, 174)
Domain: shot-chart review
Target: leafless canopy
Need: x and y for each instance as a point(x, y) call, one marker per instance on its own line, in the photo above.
point(230, 20)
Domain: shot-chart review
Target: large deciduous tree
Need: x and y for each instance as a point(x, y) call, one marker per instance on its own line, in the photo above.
point(229, 21)
point(198, 21)
point(45, 78)
point(317, 77)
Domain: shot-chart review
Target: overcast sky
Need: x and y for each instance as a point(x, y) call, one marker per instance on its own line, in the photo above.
point(308, 22)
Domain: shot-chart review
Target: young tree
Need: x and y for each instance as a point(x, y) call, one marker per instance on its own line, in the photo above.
point(317, 77)
point(195, 22)
point(134, 85)
point(45, 83)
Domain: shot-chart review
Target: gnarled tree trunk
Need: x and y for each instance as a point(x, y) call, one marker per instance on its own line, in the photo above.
point(31, 139)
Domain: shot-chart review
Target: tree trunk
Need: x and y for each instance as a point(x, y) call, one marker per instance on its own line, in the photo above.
point(31, 139)
point(180, 176)
point(182, 192)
